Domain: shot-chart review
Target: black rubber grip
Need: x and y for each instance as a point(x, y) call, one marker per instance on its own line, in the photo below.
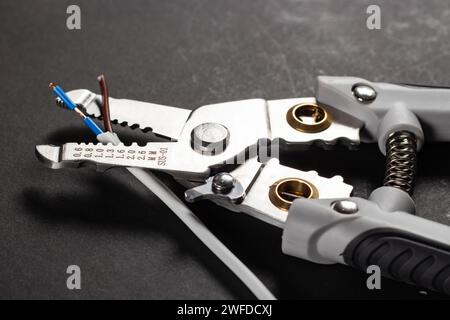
point(402, 257)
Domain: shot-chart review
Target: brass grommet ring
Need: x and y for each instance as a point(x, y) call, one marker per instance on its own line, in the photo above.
point(283, 192)
point(308, 117)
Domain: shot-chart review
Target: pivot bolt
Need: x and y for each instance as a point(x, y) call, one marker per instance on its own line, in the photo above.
point(210, 138)
point(364, 93)
point(222, 183)
point(345, 206)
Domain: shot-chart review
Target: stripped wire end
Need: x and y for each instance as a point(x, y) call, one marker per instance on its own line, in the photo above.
point(80, 113)
point(62, 95)
point(72, 106)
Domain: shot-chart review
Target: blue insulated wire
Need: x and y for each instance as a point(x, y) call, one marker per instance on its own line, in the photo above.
point(62, 95)
point(93, 126)
point(72, 106)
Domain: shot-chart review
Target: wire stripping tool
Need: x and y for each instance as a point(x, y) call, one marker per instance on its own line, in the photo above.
point(228, 153)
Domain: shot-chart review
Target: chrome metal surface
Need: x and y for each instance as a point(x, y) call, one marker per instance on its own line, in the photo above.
point(342, 128)
point(161, 156)
point(222, 183)
point(178, 158)
point(401, 161)
point(210, 138)
point(345, 206)
point(258, 204)
point(270, 116)
point(247, 124)
point(364, 93)
point(233, 194)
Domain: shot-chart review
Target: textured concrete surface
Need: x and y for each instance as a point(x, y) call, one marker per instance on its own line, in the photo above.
point(189, 53)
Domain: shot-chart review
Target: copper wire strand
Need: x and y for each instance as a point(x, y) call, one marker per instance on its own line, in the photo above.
point(105, 103)
point(80, 112)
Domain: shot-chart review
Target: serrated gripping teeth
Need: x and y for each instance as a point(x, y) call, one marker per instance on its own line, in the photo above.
point(162, 120)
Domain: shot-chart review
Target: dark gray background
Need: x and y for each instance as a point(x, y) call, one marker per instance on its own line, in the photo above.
point(189, 53)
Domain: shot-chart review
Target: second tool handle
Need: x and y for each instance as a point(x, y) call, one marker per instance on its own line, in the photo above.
point(362, 233)
point(402, 257)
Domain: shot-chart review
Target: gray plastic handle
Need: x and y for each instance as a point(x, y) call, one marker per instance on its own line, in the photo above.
point(405, 247)
point(431, 106)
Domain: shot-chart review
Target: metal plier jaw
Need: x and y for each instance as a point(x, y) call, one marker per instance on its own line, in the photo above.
point(240, 137)
point(227, 153)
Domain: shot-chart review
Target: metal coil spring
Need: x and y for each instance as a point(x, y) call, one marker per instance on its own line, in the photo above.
point(401, 161)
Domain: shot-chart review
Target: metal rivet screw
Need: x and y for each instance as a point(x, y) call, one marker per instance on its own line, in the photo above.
point(222, 183)
point(345, 206)
point(364, 93)
point(210, 138)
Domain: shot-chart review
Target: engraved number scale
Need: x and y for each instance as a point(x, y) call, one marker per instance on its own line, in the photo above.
point(149, 156)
